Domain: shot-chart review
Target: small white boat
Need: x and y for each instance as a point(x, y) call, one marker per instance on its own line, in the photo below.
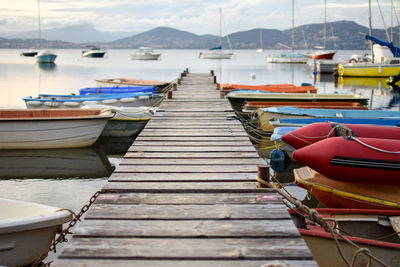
point(215, 54)
point(46, 57)
point(145, 53)
point(26, 230)
point(51, 128)
point(93, 51)
point(127, 122)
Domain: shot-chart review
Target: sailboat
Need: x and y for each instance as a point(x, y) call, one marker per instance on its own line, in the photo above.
point(289, 57)
point(322, 53)
point(385, 59)
point(260, 50)
point(216, 52)
point(43, 56)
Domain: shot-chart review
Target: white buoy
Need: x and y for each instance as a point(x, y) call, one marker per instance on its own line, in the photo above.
point(253, 76)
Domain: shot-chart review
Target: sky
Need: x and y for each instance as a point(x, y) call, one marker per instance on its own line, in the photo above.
point(197, 16)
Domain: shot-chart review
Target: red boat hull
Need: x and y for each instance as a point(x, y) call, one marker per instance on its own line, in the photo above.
point(328, 55)
point(315, 132)
point(347, 160)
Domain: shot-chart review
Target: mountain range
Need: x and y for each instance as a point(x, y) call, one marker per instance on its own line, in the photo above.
point(341, 35)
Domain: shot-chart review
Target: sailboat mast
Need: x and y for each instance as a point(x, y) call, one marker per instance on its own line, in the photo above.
point(220, 26)
point(292, 26)
point(370, 27)
point(325, 28)
point(40, 29)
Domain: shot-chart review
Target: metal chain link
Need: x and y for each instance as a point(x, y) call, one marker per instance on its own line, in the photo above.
point(61, 237)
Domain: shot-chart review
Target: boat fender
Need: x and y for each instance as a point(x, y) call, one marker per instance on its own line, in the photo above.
point(128, 99)
point(277, 160)
point(353, 60)
point(34, 103)
point(109, 101)
point(143, 97)
point(71, 104)
point(52, 104)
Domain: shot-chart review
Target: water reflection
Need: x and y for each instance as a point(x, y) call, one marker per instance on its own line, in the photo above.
point(89, 162)
point(362, 82)
point(46, 66)
point(114, 145)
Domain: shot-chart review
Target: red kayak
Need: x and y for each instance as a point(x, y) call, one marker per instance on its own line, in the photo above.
point(315, 132)
point(359, 160)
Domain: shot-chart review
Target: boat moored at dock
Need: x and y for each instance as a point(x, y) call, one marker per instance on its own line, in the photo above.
point(51, 128)
point(27, 229)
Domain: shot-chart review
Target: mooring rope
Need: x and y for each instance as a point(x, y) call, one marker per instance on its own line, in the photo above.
point(315, 217)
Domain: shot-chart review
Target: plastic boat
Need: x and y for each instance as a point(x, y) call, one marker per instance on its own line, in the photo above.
point(26, 230)
point(374, 230)
point(277, 88)
point(355, 160)
point(342, 194)
point(55, 128)
point(315, 132)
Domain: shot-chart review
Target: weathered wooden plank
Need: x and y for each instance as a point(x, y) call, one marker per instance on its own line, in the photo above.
point(187, 168)
point(188, 228)
point(185, 161)
point(195, 134)
point(188, 149)
point(192, 143)
point(192, 138)
point(168, 114)
point(181, 263)
point(189, 155)
point(193, 199)
point(188, 248)
point(206, 131)
point(183, 177)
point(191, 126)
point(182, 187)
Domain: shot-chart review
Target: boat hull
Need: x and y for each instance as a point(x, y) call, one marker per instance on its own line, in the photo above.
point(216, 55)
point(368, 69)
point(145, 56)
point(43, 129)
point(322, 55)
point(26, 230)
point(362, 160)
point(124, 127)
point(338, 194)
point(237, 100)
point(46, 58)
point(93, 54)
point(315, 132)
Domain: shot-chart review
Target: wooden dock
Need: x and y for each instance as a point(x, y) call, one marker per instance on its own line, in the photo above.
point(185, 195)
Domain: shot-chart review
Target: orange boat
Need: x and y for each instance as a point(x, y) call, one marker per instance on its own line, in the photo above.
point(326, 105)
point(339, 194)
point(276, 88)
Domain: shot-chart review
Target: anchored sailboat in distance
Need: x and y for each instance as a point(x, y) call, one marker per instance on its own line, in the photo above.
point(216, 52)
point(43, 56)
point(289, 57)
point(322, 53)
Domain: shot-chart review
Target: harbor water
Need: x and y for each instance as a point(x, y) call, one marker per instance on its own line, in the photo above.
point(68, 178)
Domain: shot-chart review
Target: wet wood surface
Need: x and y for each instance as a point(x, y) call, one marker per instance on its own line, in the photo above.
point(185, 194)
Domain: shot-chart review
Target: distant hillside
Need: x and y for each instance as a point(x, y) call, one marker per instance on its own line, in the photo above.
point(82, 33)
point(341, 35)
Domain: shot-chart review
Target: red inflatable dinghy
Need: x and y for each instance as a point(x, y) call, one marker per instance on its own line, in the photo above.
point(315, 132)
point(357, 160)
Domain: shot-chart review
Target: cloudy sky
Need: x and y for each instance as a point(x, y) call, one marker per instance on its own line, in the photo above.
point(197, 16)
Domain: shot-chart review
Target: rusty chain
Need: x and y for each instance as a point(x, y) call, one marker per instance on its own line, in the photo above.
point(61, 237)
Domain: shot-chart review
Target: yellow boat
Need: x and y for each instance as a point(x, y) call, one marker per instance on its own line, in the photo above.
point(368, 69)
point(363, 82)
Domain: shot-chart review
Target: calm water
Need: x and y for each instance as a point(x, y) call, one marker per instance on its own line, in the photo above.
point(51, 179)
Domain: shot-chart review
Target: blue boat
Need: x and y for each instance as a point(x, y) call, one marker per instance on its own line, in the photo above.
point(79, 101)
point(304, 121)
point(288, 112)
point(117, 90)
